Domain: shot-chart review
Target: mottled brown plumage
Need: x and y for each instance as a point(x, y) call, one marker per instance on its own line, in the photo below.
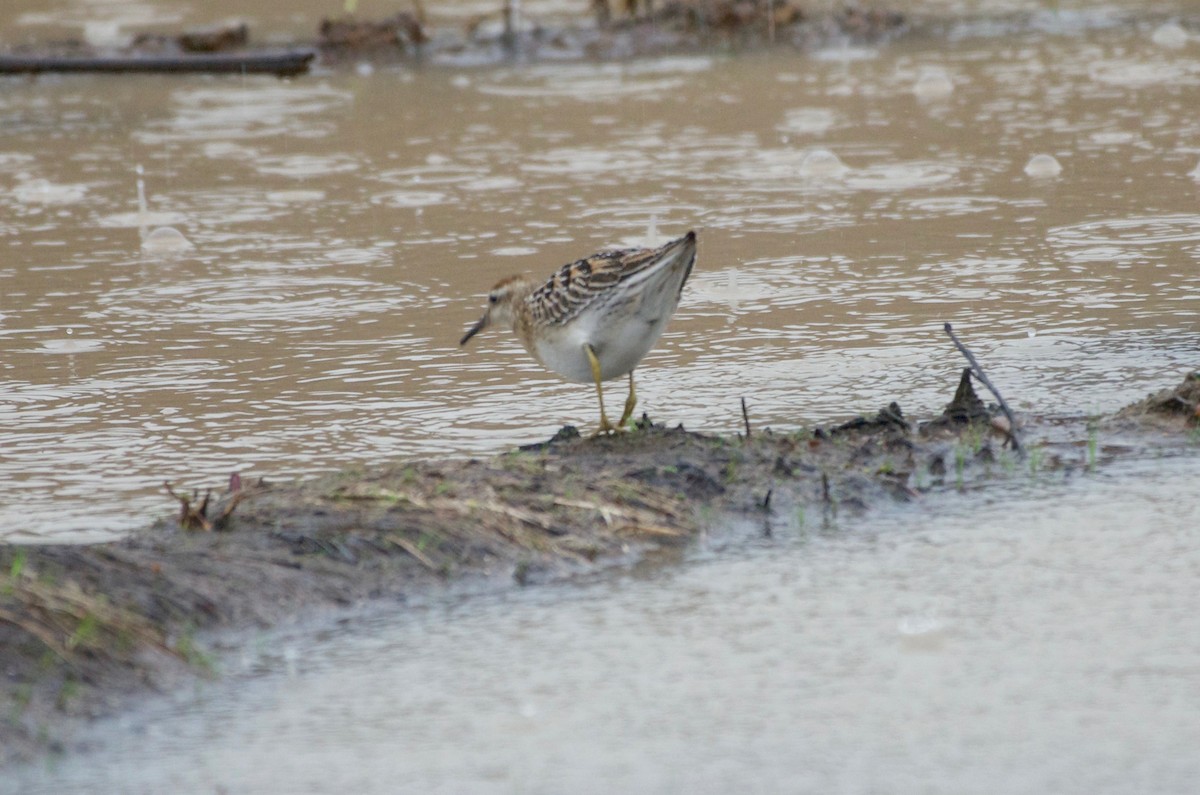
point(595, 318)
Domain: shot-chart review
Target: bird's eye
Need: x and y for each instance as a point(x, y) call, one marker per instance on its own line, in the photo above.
point(493, 298)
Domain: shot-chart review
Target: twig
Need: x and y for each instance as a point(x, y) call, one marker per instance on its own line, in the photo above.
point(983, 379)
point(191, 518)
point(638, 528)
point(509, 14)
point(497, 507)
point(745, 418)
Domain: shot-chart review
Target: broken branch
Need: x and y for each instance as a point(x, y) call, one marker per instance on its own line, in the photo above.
point(977, 371)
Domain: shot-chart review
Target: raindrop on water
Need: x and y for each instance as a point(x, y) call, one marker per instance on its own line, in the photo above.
point(933, 83)
point(821, 162)
point(165, 240)
point(1043, 166)
point(70, 346)
point(1169, 34)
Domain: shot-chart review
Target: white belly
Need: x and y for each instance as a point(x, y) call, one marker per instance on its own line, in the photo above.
point(619, 347)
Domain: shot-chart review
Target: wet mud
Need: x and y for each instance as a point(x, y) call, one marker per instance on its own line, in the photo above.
point(85, 628)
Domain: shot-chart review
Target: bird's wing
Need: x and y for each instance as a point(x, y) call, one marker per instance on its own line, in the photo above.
point(579, 283)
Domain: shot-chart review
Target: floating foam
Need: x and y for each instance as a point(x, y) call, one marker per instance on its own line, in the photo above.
point(41, 191)
point(807, 121)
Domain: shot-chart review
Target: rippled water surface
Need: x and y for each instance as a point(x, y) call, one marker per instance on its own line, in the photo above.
point(333, 236)
point(344, 226)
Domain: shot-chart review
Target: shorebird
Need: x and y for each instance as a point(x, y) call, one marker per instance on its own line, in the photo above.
point(597, 317)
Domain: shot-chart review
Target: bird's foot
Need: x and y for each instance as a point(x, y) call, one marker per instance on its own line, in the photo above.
point(607, 428)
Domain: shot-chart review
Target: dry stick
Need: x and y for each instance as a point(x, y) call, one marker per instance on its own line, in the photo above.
point(414, 550)
point(983, 379)
point(745, 418)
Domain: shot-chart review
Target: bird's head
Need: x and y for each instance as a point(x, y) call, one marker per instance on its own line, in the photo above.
point(501, 307)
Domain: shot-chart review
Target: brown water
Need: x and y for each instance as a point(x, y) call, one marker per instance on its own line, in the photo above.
point(344, 227)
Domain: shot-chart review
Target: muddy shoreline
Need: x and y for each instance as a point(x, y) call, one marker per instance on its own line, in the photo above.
point(86, 629)
point(504, 36)
point(412, 38)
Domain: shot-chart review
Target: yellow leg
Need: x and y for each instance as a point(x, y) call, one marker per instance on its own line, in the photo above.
point(630, 403)
point(605, 425)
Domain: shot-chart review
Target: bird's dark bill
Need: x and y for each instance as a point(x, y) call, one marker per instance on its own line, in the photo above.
point(478, 327)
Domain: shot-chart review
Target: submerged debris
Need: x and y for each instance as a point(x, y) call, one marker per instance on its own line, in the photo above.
point(194, 513)
point(963, 409)
point(400, 33)
point(1171, 407)
point(217, 38)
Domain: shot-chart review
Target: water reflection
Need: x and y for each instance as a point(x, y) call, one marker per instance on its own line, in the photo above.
point(343, 227)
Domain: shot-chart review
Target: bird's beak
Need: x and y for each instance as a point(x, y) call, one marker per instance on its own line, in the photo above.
point(479, 326)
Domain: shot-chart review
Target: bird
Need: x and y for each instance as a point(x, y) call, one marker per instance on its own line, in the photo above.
point(595, 318)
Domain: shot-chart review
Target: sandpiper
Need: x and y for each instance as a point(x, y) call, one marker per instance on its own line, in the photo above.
point(595, 318)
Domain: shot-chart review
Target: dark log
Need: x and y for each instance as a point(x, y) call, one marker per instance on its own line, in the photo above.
point(285, 63)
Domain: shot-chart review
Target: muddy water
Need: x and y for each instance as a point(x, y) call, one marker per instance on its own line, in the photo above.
point(342, 228)
point(1046, 641)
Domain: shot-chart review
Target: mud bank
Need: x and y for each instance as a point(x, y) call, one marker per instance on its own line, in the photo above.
point(85, 628)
